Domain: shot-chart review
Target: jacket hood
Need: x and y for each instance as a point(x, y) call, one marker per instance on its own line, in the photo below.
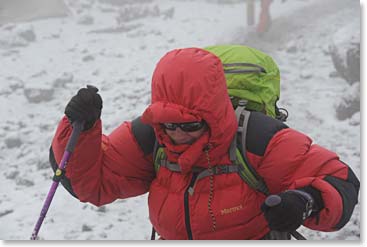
point(189, 85)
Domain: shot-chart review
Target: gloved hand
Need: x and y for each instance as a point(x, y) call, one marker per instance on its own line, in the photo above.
point(85, 106)
point(287, 211)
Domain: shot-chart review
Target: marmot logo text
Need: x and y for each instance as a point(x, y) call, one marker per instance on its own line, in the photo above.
point(231, 210)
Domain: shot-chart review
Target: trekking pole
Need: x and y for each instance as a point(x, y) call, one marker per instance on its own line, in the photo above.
point(274, 200)
point(77, 129)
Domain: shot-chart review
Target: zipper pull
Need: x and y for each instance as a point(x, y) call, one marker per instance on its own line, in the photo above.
point(191, 191)
point(192, 188)
point(192, 184)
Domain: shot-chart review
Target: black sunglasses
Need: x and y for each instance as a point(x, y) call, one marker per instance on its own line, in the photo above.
point(187, 127)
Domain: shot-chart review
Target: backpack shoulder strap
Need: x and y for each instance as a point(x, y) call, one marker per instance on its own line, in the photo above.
point(243, 116)
point(158, 156)
point(249, 175)
point(238, 152)
point(144, 135)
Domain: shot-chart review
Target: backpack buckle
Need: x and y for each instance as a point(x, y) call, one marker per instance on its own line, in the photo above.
point(221, 169)
point(242, 102)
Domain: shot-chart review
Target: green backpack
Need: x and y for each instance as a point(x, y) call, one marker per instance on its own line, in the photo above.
point(251, 75)
point(253, 83)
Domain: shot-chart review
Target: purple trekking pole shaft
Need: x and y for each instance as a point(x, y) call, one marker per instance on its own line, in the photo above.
point(77, 129)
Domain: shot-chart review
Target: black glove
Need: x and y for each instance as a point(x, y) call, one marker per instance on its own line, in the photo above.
point(288, 210)
point(85, 106)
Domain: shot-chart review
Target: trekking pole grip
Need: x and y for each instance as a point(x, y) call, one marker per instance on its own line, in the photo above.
point(77, 129)
point(274, 200)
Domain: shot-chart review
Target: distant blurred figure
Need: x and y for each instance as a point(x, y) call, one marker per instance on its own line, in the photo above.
point(264, 17)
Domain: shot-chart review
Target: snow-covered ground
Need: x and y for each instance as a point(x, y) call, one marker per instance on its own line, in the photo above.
point(115, 45)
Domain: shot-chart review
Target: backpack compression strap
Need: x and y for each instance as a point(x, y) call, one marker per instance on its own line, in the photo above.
point(161, 161)
point(238, 166)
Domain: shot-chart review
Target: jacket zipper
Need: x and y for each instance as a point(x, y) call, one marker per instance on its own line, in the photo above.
point(186, 206)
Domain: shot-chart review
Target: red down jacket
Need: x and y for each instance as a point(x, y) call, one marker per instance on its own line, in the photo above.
point(189, 85)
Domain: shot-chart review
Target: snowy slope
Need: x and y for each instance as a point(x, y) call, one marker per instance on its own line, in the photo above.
point(115, 45)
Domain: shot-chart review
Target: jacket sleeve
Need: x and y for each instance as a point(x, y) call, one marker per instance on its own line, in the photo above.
point(291, 161)
point(104, 168)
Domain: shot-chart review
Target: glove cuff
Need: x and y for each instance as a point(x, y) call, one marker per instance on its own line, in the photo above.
point(316, 195)
point(309, 202)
